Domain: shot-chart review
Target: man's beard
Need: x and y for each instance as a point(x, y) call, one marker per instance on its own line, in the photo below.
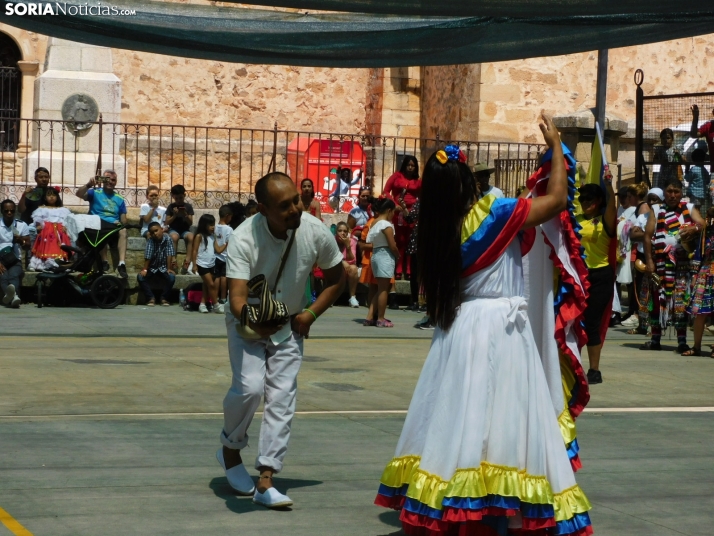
point(296, 223)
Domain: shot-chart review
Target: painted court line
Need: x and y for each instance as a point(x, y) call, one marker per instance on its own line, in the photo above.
point(12, 524)
point(705, 409)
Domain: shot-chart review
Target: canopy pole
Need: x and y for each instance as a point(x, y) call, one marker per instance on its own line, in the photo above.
point(601, 91)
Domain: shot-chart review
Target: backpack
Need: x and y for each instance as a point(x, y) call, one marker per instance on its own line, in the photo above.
point(194, 293)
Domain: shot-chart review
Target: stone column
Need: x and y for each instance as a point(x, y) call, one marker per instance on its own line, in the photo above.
point(29, 71)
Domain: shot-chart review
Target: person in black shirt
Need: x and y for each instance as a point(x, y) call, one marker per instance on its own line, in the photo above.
point(179, 218)
point(31, 200)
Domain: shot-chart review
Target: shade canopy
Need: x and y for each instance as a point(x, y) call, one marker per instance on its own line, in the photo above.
point(459, 31)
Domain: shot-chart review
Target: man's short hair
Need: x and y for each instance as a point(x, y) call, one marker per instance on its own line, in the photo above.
point(151, 187)
point(153, 224)
point(110, 171)
point(261, 187)
point(674, 182)
point(6, 201)
point(224, 211)
point(178, 189)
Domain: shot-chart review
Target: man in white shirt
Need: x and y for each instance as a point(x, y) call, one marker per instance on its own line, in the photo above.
point(13, 235)
point(483, 172)
point(268, 364)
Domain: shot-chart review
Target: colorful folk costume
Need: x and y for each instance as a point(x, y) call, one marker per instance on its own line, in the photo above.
point(667, 303)
point(53, 234)
point(701, 301)
point(486, 443)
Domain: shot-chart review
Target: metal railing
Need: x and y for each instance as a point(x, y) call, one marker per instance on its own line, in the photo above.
point(659, 117)
point(9, 106)
point(220, 164)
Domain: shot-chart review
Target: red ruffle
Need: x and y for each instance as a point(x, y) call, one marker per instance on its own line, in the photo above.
point(459, 515)
point(572, 309)
point(576, 464)
point(395, 502)
point(420, 525)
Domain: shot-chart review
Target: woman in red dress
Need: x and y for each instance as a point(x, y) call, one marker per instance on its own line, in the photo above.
point(403, 188)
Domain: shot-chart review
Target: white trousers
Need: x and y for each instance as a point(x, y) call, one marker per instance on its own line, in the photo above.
point(261, 368)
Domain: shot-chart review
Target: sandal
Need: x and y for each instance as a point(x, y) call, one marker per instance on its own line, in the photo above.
point(637, 331)
point(164, 303)
point(649, 345)
point(384, 324)
point(694, 351)
point(369, 323)
point(151, 303)
point(184, 268)
point(684, 347)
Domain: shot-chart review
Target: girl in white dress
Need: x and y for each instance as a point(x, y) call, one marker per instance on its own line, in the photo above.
point(50, 220)
point(481, 451)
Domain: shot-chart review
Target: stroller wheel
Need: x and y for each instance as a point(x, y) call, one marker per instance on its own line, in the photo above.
point(107, 291)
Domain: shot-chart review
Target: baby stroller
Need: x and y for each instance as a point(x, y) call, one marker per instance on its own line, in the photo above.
point(83, 278)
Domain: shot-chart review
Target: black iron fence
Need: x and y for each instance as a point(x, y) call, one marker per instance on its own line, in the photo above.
point(664, 147)
point(220, 164)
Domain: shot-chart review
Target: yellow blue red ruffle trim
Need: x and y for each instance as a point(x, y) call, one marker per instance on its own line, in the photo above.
point(487, 495)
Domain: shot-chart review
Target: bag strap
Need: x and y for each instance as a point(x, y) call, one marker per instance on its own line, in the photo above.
point(284, 260)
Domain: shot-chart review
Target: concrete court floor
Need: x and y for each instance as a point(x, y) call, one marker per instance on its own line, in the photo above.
point(109, 422)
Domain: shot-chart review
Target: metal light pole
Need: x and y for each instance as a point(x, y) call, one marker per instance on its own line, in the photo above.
point(601, 91)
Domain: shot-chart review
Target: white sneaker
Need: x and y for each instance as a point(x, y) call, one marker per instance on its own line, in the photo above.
point(238, 477)
point(218, 309)
point(353, 302)
point(202, 308)
point(272, 498)
point(631, 322)
point(10, 295)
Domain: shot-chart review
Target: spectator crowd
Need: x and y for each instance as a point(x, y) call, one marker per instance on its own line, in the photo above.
point(663, 238)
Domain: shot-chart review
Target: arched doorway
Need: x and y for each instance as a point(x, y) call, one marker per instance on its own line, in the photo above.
point(10, 93)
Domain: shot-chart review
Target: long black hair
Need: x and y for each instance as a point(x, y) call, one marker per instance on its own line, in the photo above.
point(448, 192)
point(204, 223)
point(311, 184)
point(403, 169)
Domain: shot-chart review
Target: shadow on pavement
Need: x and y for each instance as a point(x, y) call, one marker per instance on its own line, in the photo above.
point(636, 346)
point(241, 504)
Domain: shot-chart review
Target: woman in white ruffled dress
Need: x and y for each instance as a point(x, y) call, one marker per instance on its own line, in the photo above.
point(481, 452)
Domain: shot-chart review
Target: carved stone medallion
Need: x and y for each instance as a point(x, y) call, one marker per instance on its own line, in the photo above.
point(80, 110)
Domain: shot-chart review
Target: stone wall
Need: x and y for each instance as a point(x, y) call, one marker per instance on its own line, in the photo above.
point(172, 90)
point(450, 97)
point(513, 92)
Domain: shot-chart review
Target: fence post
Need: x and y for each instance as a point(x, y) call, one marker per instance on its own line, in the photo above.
point(639, 125)
point(273, 160)
point(99, 158)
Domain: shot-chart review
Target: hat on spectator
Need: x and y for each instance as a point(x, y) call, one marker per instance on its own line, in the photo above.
point(480, 168)
point(657, 191)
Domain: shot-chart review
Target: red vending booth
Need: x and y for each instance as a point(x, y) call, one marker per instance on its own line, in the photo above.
point(319, 160)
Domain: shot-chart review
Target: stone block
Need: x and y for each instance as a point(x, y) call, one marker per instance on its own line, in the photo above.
point(500, 93)
point(65, 58)
point(53, 87)
point(406, 117)
point(73, 169)
point(96, 59)
point(492, 131)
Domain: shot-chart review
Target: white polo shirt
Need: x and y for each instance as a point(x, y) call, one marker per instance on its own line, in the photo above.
point(6, 235)
point(253, 250)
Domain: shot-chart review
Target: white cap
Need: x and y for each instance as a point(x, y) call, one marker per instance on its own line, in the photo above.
point(657, 191)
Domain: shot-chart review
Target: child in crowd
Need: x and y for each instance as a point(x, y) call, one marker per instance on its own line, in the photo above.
point(698, 179)
point(384, 255)
point(179, 218)
point(237, 214)
point(204, 253)
point(159, 257)
point(348, 246)
point(223, 232)
point(151, 210)
point(49, 220)
point(251, 208)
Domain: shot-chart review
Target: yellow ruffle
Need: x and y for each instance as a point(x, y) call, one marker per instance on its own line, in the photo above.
point(565, 420)
point(570, 502)
point(487, 479)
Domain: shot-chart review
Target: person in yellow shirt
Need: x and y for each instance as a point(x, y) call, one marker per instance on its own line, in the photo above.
point(599, 223)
